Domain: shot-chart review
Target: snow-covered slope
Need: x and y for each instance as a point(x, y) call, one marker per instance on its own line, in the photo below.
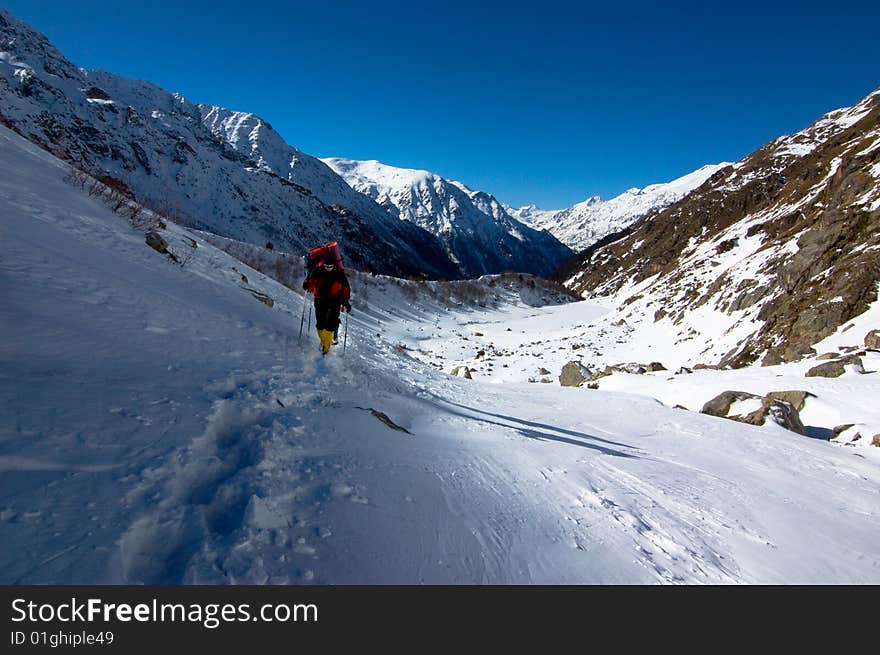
point(208, 167)
point(585, 223)
point(478, 232)
point(763, 261)
point(162, 426)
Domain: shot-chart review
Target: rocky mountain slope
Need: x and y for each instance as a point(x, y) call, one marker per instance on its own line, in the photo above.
point(208, 167)
point(767, 258)
point(587, 222)
point(476, 230)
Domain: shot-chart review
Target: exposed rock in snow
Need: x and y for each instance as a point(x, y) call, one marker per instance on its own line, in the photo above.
point(836, 368)
point(753, 409)
point(574, 374)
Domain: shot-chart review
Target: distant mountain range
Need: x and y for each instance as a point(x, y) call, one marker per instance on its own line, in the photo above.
point(585, 223)
point(476, 230)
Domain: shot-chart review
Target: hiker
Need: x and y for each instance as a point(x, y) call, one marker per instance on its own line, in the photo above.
point(328, 283)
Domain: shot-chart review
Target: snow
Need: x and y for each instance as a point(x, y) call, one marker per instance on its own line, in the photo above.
point(585, 223)
point(163, 427)
point(796, 149)
point(478, 232)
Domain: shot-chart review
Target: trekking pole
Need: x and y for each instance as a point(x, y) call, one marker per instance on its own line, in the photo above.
point(345, 335)
point(302, 318)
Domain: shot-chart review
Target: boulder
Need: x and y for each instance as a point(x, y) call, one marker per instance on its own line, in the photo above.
point(875, 441)
point(825, 356)
point(543, 371)
point(655, 366)
point(796, 399)
point(779, 411)
point(872, 340)
point(837, 367)
point(783, 414)
point(684, 370)
point(720, 404)
point(156, 242)
point(462, 372)
point(574, 374)
point(833, 369)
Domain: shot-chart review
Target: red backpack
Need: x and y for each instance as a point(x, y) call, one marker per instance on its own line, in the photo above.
point(329, 252)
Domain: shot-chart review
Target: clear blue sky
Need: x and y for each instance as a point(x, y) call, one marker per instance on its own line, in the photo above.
point(546, 102)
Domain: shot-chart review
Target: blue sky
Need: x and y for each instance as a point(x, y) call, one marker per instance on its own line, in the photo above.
point(545, 103)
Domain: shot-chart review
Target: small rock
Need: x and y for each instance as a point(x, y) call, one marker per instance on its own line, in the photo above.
point(825, 356)
point(608, 370)
point(840, 429)
point(262, 297)
point(872, 340)
point(462, 371)
point(684, 370)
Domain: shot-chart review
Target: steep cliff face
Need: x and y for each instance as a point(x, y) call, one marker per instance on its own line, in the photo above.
point(768, 257)
point(189, 160)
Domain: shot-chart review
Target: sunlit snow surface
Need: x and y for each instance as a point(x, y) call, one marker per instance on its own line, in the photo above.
point(161, 426)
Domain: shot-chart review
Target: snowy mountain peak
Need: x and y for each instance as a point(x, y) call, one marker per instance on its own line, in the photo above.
point(478, 232)
point(589, 221)
point(596, 200)
point(220, 170)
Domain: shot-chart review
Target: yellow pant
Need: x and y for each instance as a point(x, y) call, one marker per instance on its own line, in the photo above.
point(326, 337)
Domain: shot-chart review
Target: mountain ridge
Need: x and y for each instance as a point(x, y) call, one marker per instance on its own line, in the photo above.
point(477, 231)
point(766, 258)
point(585, 223)
point(175, 156)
